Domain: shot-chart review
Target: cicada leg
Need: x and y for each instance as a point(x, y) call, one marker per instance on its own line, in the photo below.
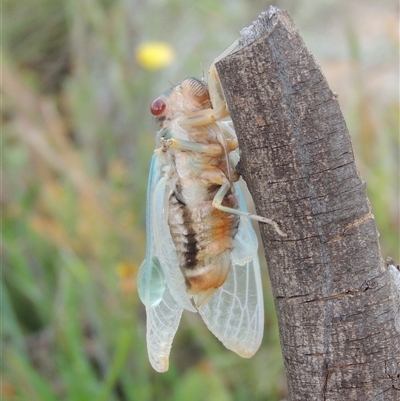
point(214, 85)
point(208, 149)
point(217, 203)
point(220, 109)
point(231, 144)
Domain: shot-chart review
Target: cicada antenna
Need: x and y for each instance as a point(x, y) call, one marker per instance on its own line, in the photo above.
point(203, 78)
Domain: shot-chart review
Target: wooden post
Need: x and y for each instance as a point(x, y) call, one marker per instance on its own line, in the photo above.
point(335, 300)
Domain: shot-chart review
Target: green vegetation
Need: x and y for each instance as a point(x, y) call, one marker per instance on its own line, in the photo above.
point(77, 140)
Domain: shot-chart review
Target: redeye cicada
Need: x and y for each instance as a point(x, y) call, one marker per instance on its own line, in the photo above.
point(201, 248)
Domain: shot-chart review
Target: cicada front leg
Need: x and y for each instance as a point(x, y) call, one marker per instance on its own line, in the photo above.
point(214, 85)
point(217, 97)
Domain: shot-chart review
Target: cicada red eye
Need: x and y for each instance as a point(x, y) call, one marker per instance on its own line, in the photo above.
point(157, 107)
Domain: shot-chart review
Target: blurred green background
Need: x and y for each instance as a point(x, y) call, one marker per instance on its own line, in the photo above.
point(77, 140)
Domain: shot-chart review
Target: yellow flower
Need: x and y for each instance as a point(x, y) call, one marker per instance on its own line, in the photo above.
point(154, 55)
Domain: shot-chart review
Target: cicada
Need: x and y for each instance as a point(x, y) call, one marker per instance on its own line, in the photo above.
point(201, 248)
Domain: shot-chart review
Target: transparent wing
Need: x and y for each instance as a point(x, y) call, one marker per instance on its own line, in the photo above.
point(235, 312)
point(163, 312)
point(161, 284)
point(246, 244)
point(151, 278)
point(162, 324)
point(161, 266)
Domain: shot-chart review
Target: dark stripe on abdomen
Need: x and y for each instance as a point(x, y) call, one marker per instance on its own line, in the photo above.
point(183, 235)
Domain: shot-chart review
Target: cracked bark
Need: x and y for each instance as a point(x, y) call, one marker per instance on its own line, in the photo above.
point(335, 300)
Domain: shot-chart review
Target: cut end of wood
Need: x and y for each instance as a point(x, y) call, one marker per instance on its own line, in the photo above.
point(259, 27)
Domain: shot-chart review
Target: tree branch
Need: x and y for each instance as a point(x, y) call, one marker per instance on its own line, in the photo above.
point(335, 300)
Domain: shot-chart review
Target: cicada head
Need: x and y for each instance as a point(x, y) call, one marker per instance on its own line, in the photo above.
point(184, 99)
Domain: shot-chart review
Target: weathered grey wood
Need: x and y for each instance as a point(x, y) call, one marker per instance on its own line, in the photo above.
point(335, 300)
